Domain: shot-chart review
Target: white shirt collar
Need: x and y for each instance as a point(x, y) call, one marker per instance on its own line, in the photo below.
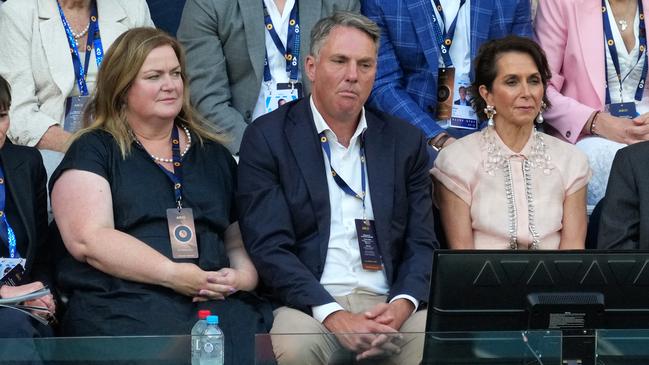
point(322, 126)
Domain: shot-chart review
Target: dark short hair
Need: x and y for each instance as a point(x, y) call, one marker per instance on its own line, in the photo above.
point(5, 94)
point(487, 59)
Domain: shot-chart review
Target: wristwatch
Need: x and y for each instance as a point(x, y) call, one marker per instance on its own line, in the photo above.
point(437, 142)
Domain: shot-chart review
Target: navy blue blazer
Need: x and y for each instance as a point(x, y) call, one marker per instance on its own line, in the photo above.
point(284, 210)
point(406, 76)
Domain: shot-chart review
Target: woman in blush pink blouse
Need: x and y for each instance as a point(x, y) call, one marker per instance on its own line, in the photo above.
point(509, 186)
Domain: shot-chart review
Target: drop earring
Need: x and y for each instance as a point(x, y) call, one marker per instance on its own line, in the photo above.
point(490, 111)
point(539, 118)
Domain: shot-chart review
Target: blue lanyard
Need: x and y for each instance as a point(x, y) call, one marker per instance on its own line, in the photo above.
point(6, 233)
point(93, 41)
point(610, 43)
point(176, 177)
point(444, 38)
point(339, 180)
point(292, 51)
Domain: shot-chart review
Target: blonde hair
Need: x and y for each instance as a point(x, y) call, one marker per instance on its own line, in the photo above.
point(106, 109)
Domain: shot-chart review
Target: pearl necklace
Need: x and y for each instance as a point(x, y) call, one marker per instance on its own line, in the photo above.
point(80, 34)
point(182, 154)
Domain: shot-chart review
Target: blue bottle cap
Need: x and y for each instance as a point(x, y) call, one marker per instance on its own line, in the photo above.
point(212, 319)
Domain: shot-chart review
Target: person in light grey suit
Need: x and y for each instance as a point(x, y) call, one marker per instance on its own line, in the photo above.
point(225, 43)
point(624, 223)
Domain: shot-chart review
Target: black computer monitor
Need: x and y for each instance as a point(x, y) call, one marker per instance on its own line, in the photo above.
point(484, 290)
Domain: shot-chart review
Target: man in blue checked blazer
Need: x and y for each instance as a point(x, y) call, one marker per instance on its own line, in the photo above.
point(410, 56)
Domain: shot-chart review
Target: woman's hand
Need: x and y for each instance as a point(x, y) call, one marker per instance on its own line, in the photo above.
point(8, 291)
point(190, 280)
point(46, 301)
point(226, 280)
point(622, 130)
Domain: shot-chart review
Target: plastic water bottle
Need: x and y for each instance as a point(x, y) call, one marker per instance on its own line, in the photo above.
point(212, 343)
point(197, 332)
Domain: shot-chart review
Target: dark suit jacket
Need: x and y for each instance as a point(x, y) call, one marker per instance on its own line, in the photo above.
point(624, 223)
point(284, 204)
point(25, 176)
point(166, 14)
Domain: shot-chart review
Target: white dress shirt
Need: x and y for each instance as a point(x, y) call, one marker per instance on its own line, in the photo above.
point(343, 273)
point(630, 66)
point(276, 60)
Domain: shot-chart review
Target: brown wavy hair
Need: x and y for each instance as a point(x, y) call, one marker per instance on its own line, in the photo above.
point(106, 109)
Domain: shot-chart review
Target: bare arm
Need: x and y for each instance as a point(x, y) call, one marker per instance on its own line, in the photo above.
point(242, 274)
point(573, 234)
point(83, 209)
point(456, 218)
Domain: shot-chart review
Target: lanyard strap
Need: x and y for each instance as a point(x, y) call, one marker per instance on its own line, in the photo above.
point(93, 41)
point(6, 233)
point(292, 50)
point(610, 43)
point(339, 180)
point(444, 38)
point(176, 176)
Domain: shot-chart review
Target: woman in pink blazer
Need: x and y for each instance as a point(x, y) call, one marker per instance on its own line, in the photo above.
point(572, 34)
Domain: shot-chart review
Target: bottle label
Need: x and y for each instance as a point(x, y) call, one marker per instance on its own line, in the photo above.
point(197, 342)
point(208, 347)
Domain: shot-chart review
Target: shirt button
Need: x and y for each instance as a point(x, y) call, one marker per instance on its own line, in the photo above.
point(568, 134)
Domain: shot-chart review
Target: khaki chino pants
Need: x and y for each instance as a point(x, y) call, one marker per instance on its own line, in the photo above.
point(323, 348)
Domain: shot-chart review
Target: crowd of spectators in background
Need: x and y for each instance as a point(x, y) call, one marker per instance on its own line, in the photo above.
point(288, 159)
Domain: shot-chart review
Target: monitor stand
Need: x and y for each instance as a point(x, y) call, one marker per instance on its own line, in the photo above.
point(578, 347)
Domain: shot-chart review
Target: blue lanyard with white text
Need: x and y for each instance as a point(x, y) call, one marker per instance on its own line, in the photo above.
point(339, 180)
point(292, 50)
point(93, 41)
point(610, 43)
point(176, 177)
point(6, 232)
point(444, 38)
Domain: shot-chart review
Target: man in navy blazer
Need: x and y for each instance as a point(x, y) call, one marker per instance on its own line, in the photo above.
point(410, 56)
point(317, 174)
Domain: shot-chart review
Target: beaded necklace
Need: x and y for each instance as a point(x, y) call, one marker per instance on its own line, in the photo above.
point(497, 159)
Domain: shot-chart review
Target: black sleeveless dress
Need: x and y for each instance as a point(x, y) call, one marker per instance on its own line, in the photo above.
point(103, 305)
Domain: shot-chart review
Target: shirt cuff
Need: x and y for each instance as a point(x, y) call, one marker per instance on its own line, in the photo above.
point(321, 312)
point(408, 297)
